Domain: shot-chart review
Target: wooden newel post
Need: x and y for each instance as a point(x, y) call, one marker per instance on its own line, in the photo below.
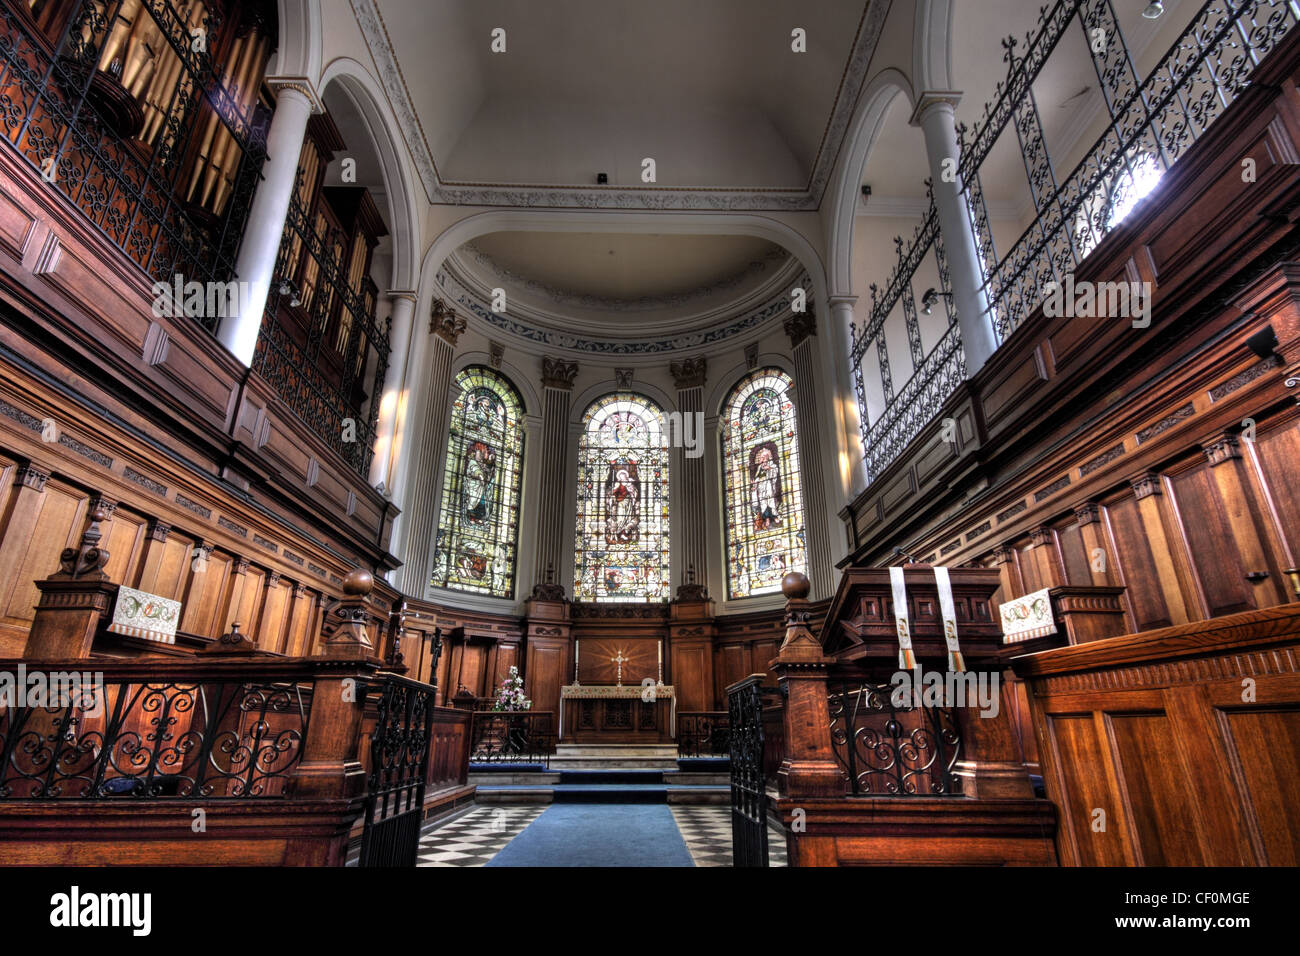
point(808, 768)
point(75, 600)
point(331, 765)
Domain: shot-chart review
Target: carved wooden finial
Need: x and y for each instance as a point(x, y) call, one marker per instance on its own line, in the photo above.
point(690, 591)
point(796, 586)
point(344, 632)
point(548, 590)
point(88, 559)
point(232, 643)
point(358, 583)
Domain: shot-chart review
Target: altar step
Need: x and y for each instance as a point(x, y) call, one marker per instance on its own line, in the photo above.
point(505, 784)
point(614, 756)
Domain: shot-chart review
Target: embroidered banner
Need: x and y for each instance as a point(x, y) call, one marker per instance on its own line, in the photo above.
point(139, 614)
point(906, 659)
point(949, 611)
point(1027, 617)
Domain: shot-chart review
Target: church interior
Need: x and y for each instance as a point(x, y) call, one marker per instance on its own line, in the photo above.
point(491, 433)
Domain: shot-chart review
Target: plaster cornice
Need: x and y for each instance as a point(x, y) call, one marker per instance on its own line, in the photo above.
point(729, 332)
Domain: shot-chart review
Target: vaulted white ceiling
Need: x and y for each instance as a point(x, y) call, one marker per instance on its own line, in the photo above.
point(712, 91)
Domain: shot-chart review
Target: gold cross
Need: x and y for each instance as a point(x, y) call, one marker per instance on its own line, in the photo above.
point(620, 660)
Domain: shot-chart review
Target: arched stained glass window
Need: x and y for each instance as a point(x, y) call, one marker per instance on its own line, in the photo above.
point(478, 525)
point(622, 527)
point(762, 493)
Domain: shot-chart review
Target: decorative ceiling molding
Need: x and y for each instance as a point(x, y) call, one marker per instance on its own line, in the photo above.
point(771, 264)
point(619, 197)
point(747, 324)
point(671, 321)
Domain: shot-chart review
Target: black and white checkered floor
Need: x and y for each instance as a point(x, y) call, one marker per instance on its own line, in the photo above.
point(475, 837)
point(707, 832)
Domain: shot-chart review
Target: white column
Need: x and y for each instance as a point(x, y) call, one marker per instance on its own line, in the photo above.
point(260, 250)
point(801, 328)
point(393, 395)
point(553, 501)
point(849, 415)
point(934, 114)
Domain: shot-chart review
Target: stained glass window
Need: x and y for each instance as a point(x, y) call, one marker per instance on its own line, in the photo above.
point(763, 498)
point(478, 525)
point(622, 527)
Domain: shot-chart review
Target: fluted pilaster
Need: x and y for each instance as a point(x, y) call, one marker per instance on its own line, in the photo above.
point(557, 386)
point(429, 438)
point(802, 330)
point(692, 529)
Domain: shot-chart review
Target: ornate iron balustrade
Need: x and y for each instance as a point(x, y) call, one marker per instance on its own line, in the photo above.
point(512, 737)
point(748, 778)
point(703, 733)
point(935, 375)
point(893, 749)
point(150, 180)
point(128, 739)
point(1153, 122)
point(399, 762)
point(916, 403)
point(291, 351)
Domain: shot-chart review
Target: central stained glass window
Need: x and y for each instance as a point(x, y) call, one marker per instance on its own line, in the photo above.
point(478, 525)
point(763, 500)
point(621, 547)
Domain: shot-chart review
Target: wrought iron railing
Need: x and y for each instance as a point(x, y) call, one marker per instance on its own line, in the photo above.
point(890, 423)
point(398, 760)
point(750, 761)
point(887, 746)
point(151, 179)
point(512, 737)
point(1153, 122)
point(129, 739)
point(703, 733)
point(320, 346)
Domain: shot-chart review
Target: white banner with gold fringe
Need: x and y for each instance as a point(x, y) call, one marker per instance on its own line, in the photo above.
point(906, 657)
point(140, 614)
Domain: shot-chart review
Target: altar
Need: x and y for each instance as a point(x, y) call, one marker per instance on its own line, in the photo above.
point(617, 714)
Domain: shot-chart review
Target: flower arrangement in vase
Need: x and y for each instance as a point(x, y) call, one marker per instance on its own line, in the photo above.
point(510, 695)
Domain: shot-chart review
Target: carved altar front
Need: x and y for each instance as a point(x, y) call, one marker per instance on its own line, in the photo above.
point(617, 714)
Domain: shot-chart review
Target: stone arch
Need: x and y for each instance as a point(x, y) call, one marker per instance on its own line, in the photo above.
point(866, 126)
point(563, 220)
point(366, 94)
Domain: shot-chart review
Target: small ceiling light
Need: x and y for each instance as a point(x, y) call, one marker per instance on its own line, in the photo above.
point(286, 288)
point(602, 179)
point(1153, 10)
point(929, 298)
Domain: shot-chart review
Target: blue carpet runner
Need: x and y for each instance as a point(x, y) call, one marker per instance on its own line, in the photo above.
point(607, 834)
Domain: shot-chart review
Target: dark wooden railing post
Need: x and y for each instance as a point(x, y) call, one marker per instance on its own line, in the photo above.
point(808, 768)
point(331, 765)
point(75, 600)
